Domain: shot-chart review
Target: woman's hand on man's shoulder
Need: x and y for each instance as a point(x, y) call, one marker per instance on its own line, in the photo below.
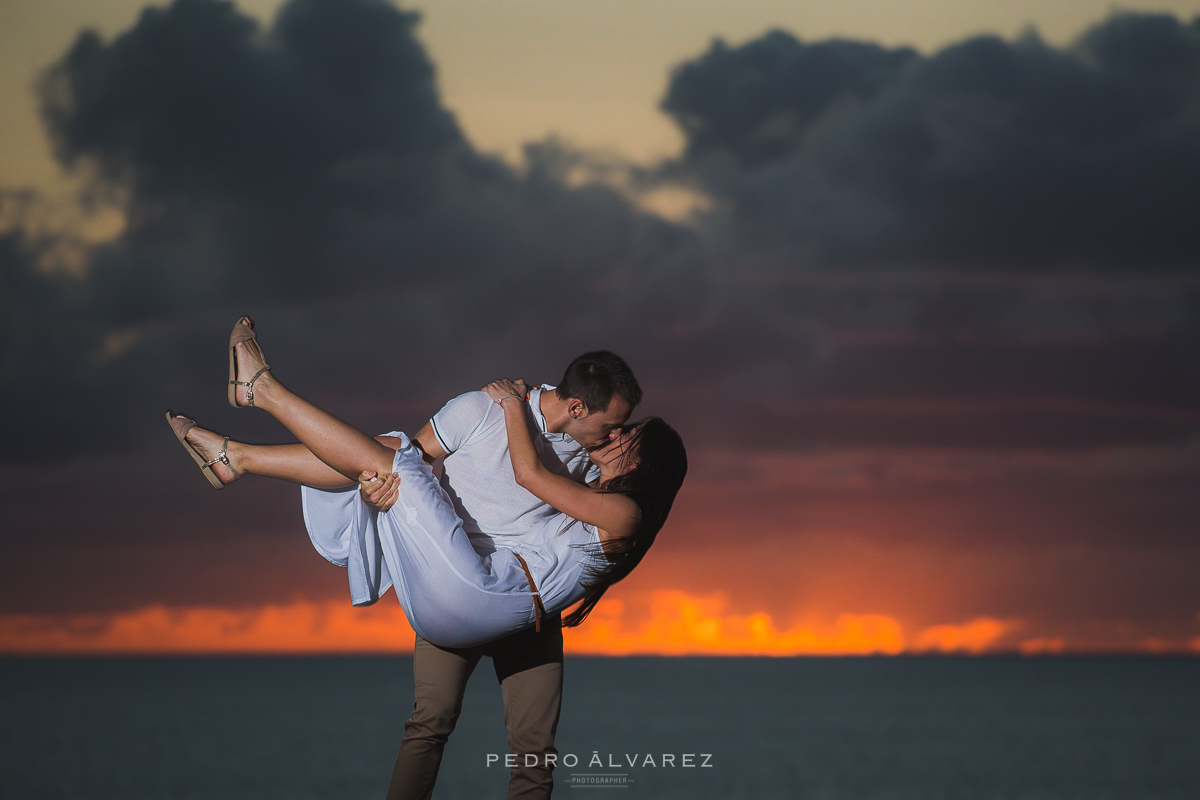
point(501, 390)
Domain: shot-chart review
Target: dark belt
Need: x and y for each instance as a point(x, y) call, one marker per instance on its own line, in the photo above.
point(539, 610)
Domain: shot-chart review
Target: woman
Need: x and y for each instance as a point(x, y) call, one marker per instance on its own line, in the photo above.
point(452, 596)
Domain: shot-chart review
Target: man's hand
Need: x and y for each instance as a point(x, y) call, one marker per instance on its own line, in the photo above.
point(504, 388)
point(378, 494)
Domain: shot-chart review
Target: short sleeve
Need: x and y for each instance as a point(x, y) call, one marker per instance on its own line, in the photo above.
point(460, 418)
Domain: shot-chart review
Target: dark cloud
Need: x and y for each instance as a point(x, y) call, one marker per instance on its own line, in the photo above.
point(52, 351)
point(306, 169)
point(994, 154)
point(307, 172)
point(756, 100)
point(308, 159)
point(242, 153)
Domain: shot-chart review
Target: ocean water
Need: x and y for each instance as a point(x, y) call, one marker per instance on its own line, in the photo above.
point(852, 728)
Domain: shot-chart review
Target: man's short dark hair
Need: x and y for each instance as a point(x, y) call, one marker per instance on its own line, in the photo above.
point(596, 377)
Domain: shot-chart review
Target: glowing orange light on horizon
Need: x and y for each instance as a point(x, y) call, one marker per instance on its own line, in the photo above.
point(684, 624)
point(298, 627)
point(976, 636)
point(1048, 645)
point(672, 622)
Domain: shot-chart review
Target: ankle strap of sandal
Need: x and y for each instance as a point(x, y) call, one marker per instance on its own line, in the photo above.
point(223, 455)
point(250, 386)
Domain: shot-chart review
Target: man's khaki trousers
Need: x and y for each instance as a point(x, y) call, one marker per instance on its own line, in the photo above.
point(529, 666)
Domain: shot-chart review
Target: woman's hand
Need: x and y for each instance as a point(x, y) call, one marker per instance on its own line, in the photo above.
point(504, 388)
point(378, 494)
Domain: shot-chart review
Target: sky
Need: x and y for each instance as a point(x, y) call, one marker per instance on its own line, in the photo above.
point(918, 285)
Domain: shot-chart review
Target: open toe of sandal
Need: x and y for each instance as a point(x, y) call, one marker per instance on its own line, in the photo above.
point(181, 426)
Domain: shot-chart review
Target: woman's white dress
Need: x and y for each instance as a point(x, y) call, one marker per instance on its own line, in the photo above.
point(452, 596)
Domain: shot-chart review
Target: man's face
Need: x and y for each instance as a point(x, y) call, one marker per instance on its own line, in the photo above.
point(595, 428)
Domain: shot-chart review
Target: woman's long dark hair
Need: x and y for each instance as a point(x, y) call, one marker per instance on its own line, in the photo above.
point(652, 484)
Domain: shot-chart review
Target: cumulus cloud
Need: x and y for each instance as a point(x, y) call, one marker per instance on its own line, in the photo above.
point(308, 171)
point(254, 163)
point(1013, 155)
point(894, 253)
point(303, 169)
point(308, 159)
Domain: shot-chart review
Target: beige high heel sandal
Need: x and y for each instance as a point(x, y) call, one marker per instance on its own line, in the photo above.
point(243, 331)
point(181, 426)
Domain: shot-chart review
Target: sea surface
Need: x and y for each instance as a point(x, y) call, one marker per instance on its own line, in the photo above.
point(854, 728)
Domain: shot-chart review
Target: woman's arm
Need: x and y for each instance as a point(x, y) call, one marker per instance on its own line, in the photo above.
point(615, 515)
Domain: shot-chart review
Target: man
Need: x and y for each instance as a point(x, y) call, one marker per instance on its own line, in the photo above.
point(597, 394)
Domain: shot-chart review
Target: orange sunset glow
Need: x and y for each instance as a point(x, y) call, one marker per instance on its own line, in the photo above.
point(930, 383)
point(890, 312)
point(676, 624)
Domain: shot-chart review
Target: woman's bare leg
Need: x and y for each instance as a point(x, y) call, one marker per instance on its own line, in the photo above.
point(289, 462)
point(345, 449)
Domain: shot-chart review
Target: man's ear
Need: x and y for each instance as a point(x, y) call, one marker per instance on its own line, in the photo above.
point(577, 409)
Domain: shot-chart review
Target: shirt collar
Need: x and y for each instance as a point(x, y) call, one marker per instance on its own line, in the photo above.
point(535, 397)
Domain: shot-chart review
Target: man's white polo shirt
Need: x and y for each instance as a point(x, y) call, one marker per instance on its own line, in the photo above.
point(478, 474)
